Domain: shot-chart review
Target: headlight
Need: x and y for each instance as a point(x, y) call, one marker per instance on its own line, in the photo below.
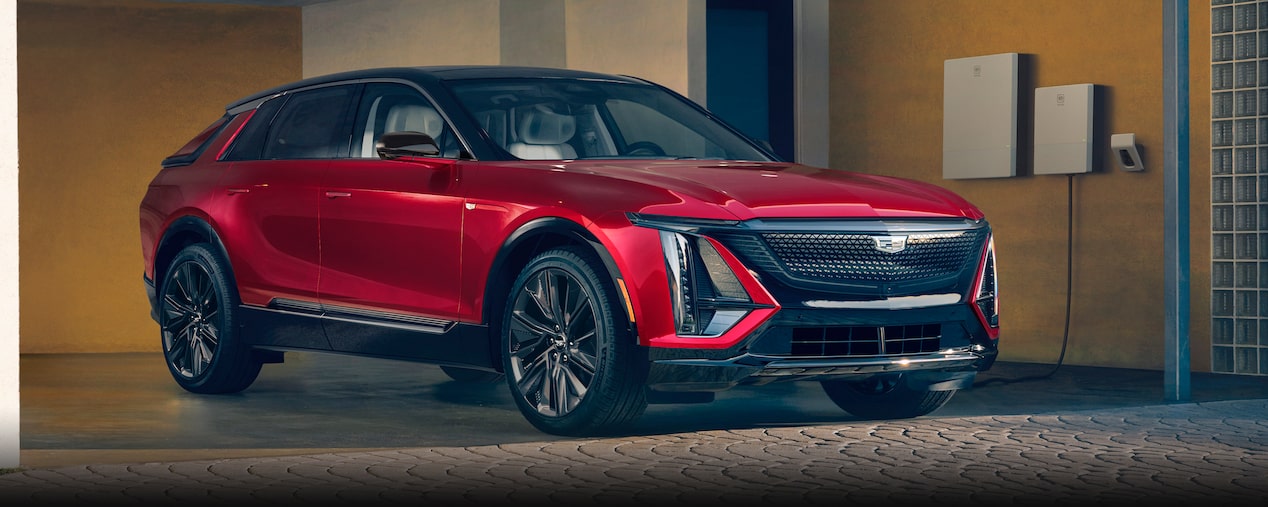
point(706, 295)
point(987, 295)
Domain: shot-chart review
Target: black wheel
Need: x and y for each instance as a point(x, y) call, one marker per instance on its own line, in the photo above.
point(884, 397)
point(571, 369)
point(644, 149)
point(471, 375)
point(200, 342)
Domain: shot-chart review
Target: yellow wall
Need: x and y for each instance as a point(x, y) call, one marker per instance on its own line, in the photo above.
point(886, 112)
point(106, 89)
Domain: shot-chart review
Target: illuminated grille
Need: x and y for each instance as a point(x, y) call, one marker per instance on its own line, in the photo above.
point(866, 340)
point(854, 257)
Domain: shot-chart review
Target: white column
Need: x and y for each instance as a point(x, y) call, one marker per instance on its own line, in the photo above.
point(10, 409)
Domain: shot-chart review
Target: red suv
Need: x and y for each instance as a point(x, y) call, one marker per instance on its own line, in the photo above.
point(598, 241)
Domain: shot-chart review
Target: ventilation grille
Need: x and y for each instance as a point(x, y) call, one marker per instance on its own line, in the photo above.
point(832, 257)
point(856, 341)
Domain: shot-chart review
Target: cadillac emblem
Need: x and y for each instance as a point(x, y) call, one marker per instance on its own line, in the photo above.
point(890, 244)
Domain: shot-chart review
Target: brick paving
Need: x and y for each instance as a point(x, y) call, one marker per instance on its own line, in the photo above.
point(1208, 453)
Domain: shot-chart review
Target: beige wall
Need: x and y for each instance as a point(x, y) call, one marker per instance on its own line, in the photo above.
point(649, 41)
point(357, 34)
point(645, 38)
point(533, 33)
point(106, 89)
point(886, 106)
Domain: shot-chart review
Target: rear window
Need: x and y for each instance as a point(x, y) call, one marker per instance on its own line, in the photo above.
point(190, 152)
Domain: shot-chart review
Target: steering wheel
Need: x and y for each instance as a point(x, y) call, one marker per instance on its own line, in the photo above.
point(644, 149)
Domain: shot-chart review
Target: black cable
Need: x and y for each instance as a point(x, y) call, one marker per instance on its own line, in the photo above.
point(1069, 285)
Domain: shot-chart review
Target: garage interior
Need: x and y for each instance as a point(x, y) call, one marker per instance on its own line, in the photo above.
point(106, 89)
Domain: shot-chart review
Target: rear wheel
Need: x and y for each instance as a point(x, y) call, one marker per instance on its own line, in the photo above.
point(884, 397)
point(200, 341)
point(571, 369)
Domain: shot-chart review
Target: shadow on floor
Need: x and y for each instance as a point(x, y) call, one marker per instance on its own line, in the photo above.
point(324, 401)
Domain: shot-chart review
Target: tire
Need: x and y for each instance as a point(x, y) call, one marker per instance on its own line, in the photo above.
point(884, 397)
point(571, 368)
point(471, 375)
point(201, 346)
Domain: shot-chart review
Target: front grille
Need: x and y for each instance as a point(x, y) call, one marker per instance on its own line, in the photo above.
point(837, 341)
point(837, 257)
point(851, 262)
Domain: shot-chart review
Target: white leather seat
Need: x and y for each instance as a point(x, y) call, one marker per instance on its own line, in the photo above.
point(543, 135)
point(414, 118)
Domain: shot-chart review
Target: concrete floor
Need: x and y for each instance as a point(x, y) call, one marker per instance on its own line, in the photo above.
point(124, 408)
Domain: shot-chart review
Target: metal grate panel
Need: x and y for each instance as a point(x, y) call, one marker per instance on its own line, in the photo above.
point(858, 341)
point(835, 257)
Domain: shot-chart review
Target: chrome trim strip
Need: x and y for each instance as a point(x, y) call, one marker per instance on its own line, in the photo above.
point(781, 366)
point(895, 303)
point(360, 315)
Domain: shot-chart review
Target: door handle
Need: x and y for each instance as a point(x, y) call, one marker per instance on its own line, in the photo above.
point(336, 195)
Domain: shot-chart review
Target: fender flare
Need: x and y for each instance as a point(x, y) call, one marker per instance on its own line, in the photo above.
point(534, 230)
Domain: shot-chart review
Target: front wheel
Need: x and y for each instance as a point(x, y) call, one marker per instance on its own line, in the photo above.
point(200, 339)
point(884, 397)
point(571, 368)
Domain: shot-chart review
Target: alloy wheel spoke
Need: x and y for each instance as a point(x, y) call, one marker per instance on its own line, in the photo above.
point(191, 352)
point(571, 383)
point(541, 296)
point(584, 361)
point(536, 329)
point(558, 286)
point(576, 309)
point(558, 388)
point(176, 307)
point(202, 357)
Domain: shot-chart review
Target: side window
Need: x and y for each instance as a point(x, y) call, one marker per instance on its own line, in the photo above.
point(311, 125)
point(390, 107)
point(192, 149)
point(250, 142)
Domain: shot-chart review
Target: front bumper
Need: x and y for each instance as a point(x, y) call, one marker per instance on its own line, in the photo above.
point(151, 294)
point(946, 361)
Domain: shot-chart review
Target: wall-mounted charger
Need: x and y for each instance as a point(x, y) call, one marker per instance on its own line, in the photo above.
point(1126, 153)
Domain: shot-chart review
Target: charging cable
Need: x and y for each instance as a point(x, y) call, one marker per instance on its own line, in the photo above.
point(1069, 284)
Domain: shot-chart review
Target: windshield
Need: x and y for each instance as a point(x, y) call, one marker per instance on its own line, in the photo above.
point(566, 119)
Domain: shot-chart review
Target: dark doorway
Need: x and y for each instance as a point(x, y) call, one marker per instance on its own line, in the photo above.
point(750, 68)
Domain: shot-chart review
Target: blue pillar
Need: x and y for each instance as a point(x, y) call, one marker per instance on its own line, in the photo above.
point(1175, 109)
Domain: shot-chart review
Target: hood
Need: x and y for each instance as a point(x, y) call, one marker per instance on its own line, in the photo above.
point(782, 190)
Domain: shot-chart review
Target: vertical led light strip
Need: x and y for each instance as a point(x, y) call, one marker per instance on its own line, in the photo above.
point(1239, 187)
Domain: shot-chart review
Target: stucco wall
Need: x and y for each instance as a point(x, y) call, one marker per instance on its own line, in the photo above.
point(356, 34)
point(106, 89)
point(646, 38)
point(886, 111)
point(650, 41)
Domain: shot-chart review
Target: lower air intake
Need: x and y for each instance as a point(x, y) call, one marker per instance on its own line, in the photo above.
point(854, 341)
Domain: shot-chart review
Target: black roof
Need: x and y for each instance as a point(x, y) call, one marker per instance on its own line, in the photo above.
point(438, 73)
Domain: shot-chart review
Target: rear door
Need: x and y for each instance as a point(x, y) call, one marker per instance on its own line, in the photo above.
point(272, 199)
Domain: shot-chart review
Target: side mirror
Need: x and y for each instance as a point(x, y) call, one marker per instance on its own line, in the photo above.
point(406, 144)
